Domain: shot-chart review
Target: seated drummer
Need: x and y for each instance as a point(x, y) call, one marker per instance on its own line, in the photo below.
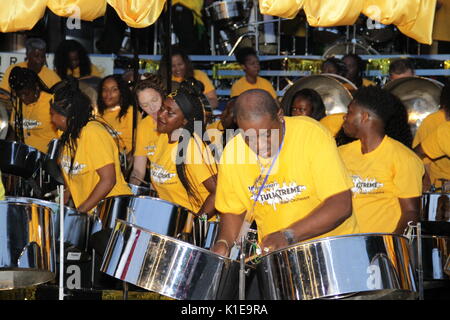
point(90, 156)
point(31, 96)
point(438, 168)
point(292, 181)
point(249, 62)
point(306, 102)
point(182, 169)
point(355, 67)
point(387, 175)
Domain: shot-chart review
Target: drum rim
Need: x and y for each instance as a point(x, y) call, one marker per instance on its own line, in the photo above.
point(31, 200)
point(142, 196)
point(219, 3)
point(176, 241)
point(25, 203)
point(353, 235)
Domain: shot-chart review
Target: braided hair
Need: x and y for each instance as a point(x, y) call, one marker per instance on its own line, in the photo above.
point(73, 104)
point(125, 95)
point(187, 98)
point(62, 62)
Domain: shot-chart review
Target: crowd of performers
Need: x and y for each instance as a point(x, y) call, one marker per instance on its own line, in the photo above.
point(297, 173)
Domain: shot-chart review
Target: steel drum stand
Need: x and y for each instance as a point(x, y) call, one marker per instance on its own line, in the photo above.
point(242, 272)
point(61, 242)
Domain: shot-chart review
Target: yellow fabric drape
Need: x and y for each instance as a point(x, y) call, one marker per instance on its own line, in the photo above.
point(325, 13)
point(413, 18)
point(89, 9)
point(441, 28)
point(17, 15)
point(138, 13)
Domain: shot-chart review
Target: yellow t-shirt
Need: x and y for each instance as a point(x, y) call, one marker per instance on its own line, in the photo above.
point(243, 85)
point(202, 77)
point(307, 172)
point(95, 72)
point(95, 149)
point(438, 168)
point(49, 77)
point(38, 129)
point(333, 122)
point(2, 189)
point(436, 145)
point(146, 137)
point(380, 178)
point(123, 127)
point(164, 174)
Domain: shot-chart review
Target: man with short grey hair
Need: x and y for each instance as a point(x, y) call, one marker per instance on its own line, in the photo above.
point(35, 60)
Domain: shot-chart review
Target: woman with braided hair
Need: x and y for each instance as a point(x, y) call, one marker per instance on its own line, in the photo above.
point(182, 169)
point(31, 109)
point(90, 157)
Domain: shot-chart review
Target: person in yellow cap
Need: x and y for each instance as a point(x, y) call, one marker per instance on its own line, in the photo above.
point(89, 157)
point(249, 62)
point(387, 174)
point(35, 60)
point(284, 172)
point(30, 118)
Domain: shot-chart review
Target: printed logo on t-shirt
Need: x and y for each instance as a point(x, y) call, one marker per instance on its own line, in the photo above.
point(150, 150)
point(274, 194)
point(159, 174)
point(76, 169)
point(30, 124)
point(365, 186)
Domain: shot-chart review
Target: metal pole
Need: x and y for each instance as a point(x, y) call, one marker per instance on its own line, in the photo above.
point(419, 260)
point(306, 37)
point(242, 270)
point(168, 45)
point(61, 242)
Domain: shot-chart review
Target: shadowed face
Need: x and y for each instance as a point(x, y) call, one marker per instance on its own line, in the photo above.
point(111, 93)
point(353, 120)
point(170, 117)
point(36, 60)
point(178, 66)
point(58, 120)
point(301, 107)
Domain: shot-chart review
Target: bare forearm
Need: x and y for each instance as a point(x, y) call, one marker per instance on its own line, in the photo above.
point(404, 219)
point(100, 191)
point(208, 206)
point(326, 217)
point(229, 226)
point(138, 173)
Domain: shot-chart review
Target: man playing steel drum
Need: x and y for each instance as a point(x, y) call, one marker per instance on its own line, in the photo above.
point(283, 172)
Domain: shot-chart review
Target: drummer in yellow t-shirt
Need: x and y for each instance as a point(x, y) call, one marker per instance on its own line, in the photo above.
point(286, 173)
point(387, 175)
point(35, 60)
point(2, 189)
point(89, 157)
point(249, 62)
point(150, 94)
point(115, 106)
point(182, 69)
point(32, 97)
point(436, 168)
point(183, 171)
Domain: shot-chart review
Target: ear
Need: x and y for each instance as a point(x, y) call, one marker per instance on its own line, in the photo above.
point(185, 122)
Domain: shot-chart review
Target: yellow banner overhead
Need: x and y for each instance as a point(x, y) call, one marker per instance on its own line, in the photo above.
point(327, 13)
point(138, 13)
point(82, 9)
point(17, 15)
point(281, 8)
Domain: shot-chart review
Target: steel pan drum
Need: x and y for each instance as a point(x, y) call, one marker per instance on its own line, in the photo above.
point(153, 214)
point(435, 252)
point(334, 95)
point(142, 190)
point(419, 95)
point(435, 207)
point(27, 252)
point(370, 264)
point(19, 159)
point(223, 12)
point(3, 119)
point(168, 266)
point(77, 225)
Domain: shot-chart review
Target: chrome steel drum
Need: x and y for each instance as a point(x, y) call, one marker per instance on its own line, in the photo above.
point(369, 265)
point(19, 159)
point(78, 226)
point(224, 12)
point(153, 214)
point(435, 252)
point(419, 95)
point(435, 207)
point(142, 190)
point(168, 266)
point(334, 95)
point(27, 248)
point(4, 118)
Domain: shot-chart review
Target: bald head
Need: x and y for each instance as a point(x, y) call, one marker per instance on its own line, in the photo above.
point(254, 104)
